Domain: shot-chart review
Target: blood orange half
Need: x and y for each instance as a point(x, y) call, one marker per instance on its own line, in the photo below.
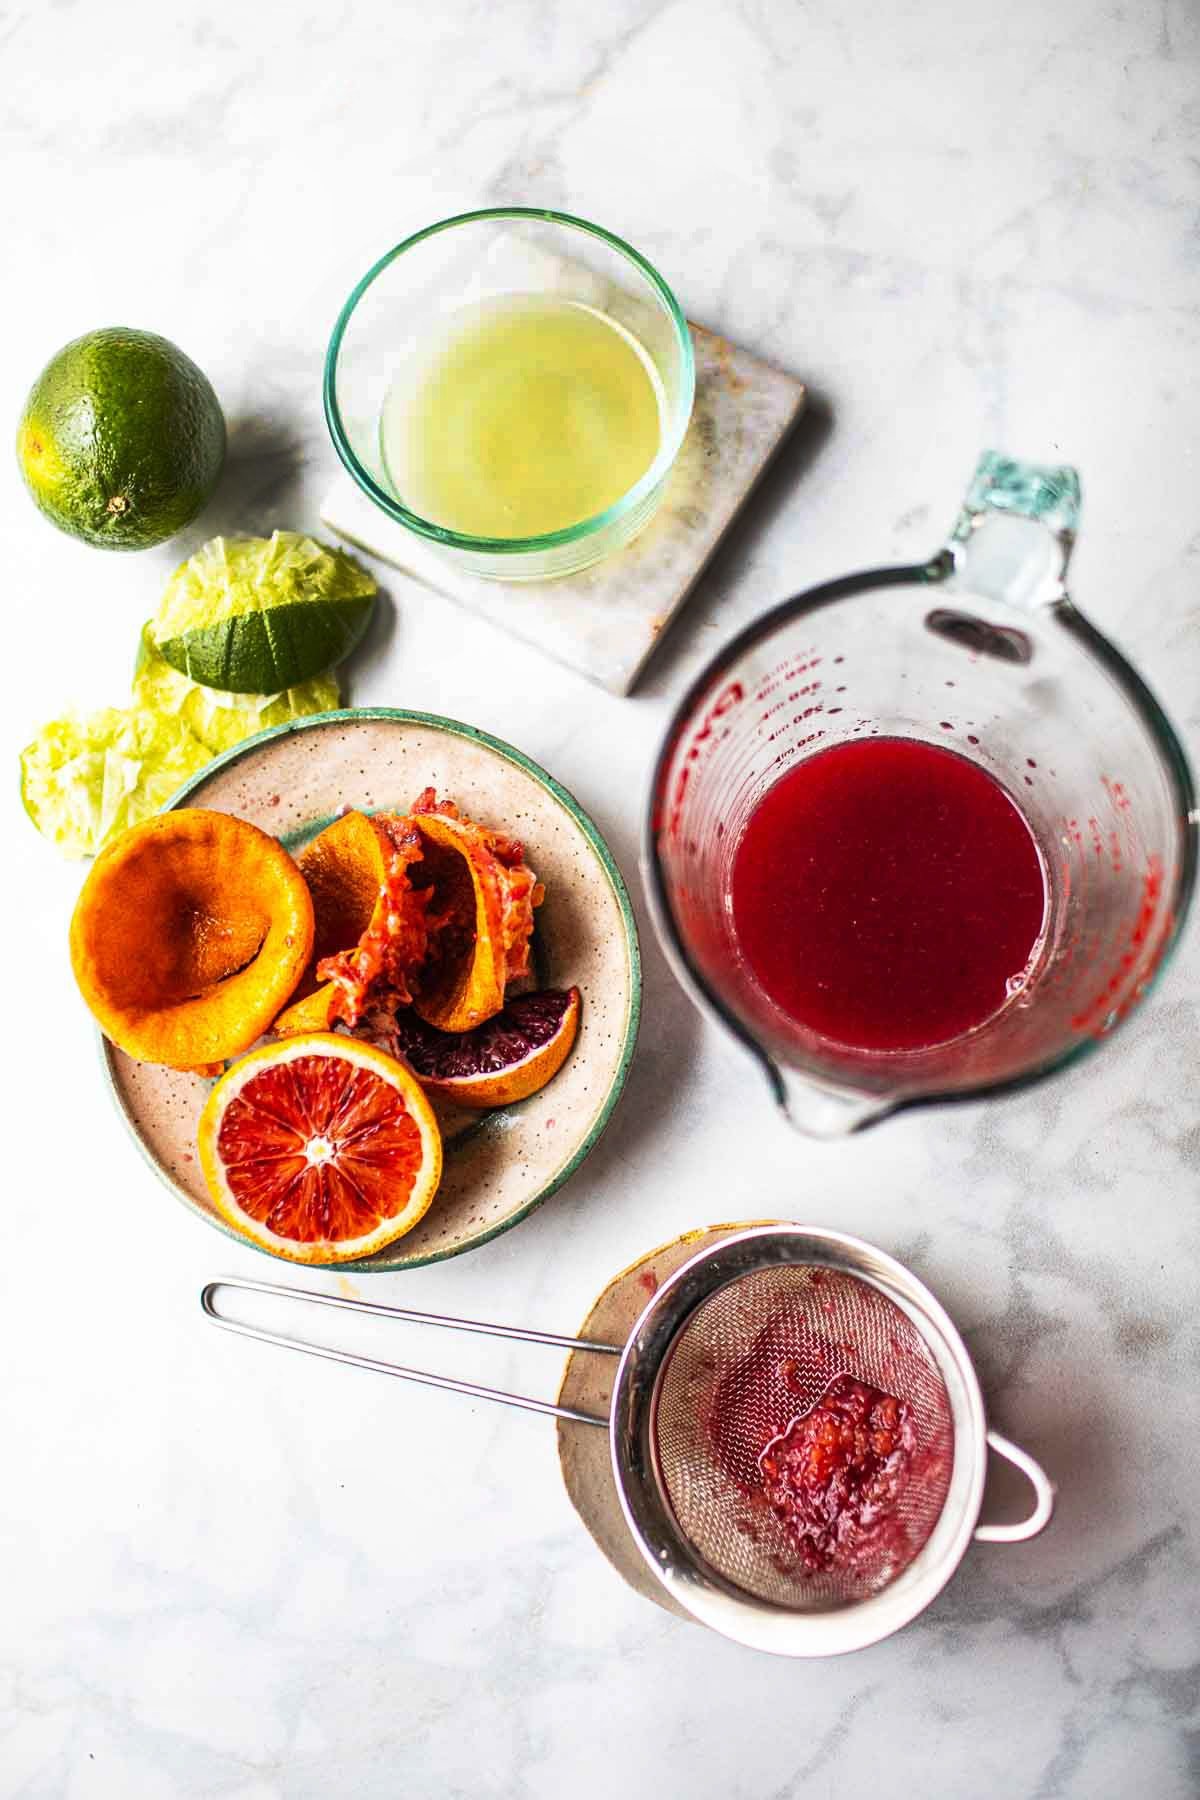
point(505, 1060)
point(320, 1149)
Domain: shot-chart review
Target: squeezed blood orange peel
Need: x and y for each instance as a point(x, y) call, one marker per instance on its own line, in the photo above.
point(424, 909)
point(356, 876)
point(191, 931)
point(344, 866)
point(480, 917)
point(370, 921)
point(505, 1060)
point(318, 1011)
point(320, 1149)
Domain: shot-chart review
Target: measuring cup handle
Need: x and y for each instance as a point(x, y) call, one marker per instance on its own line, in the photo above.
point(1013, 536)
point(1048, 493)
point(1043, 1489)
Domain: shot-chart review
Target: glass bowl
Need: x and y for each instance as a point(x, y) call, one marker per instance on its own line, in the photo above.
point(404, 302)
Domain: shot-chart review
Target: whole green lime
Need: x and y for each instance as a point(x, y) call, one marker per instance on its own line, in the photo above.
point(122, 439)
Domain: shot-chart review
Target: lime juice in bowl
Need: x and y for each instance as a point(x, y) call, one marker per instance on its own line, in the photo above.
point(513, 387)
point(533, 414)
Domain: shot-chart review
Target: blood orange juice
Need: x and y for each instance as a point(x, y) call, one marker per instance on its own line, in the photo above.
point(888, 894)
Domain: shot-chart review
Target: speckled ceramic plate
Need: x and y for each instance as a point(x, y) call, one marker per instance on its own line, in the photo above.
point(291, 782)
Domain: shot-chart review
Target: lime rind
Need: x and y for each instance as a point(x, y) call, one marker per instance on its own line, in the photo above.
point(218, 718)
point(122, 439)
point(285, 600)
point(86, 777)
point(259, 615)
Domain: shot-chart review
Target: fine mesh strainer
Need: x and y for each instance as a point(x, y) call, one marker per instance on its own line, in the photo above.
point(745, 1339)
point(760, 1352)
point(700, 1392)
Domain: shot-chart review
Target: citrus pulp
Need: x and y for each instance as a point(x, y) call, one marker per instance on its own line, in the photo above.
point(510, 1057)
point(320, 1149)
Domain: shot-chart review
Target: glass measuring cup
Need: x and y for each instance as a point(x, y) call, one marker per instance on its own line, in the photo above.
point(982, 651)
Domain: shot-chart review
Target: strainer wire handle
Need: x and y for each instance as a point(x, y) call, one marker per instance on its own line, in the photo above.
point(210, 1290)
point(1043, 1489)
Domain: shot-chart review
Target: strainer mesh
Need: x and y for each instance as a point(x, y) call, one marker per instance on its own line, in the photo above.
point(759, 1353)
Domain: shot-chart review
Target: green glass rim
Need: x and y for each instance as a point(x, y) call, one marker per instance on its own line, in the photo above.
point(633, 1015)
point(571, 534)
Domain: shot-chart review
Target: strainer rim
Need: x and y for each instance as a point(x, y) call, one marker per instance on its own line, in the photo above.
point(693, 1583)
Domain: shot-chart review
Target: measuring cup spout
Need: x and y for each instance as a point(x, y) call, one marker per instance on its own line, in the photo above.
point(821, 1110)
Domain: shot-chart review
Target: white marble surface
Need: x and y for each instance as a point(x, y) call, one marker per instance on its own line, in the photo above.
point(231, 1573)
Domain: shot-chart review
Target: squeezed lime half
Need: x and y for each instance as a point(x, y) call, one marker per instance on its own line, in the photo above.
point(220, 719)
point(88, 776)
point(260, 615)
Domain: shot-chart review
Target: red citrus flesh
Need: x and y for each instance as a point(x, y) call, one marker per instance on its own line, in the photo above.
point(835, 1476)
point(506, 1059)
point(319, 1149)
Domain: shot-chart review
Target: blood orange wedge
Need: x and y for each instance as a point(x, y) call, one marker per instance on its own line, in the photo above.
point(480, 917)
point(320, 1149)
point(507, 1059)
point(371, 930)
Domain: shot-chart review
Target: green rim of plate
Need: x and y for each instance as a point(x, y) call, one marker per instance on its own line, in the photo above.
point(456, 728)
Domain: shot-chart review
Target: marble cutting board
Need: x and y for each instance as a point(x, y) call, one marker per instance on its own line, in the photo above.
point(606, 621)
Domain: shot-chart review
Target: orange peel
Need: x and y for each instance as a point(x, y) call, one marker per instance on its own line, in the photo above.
point(370, 921)
point(318, 1011)
point(344, 866)
point(191, 931)
point(480, 919)
point(426, 909)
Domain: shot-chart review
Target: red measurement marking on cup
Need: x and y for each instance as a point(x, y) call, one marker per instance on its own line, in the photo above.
point(725, 700)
